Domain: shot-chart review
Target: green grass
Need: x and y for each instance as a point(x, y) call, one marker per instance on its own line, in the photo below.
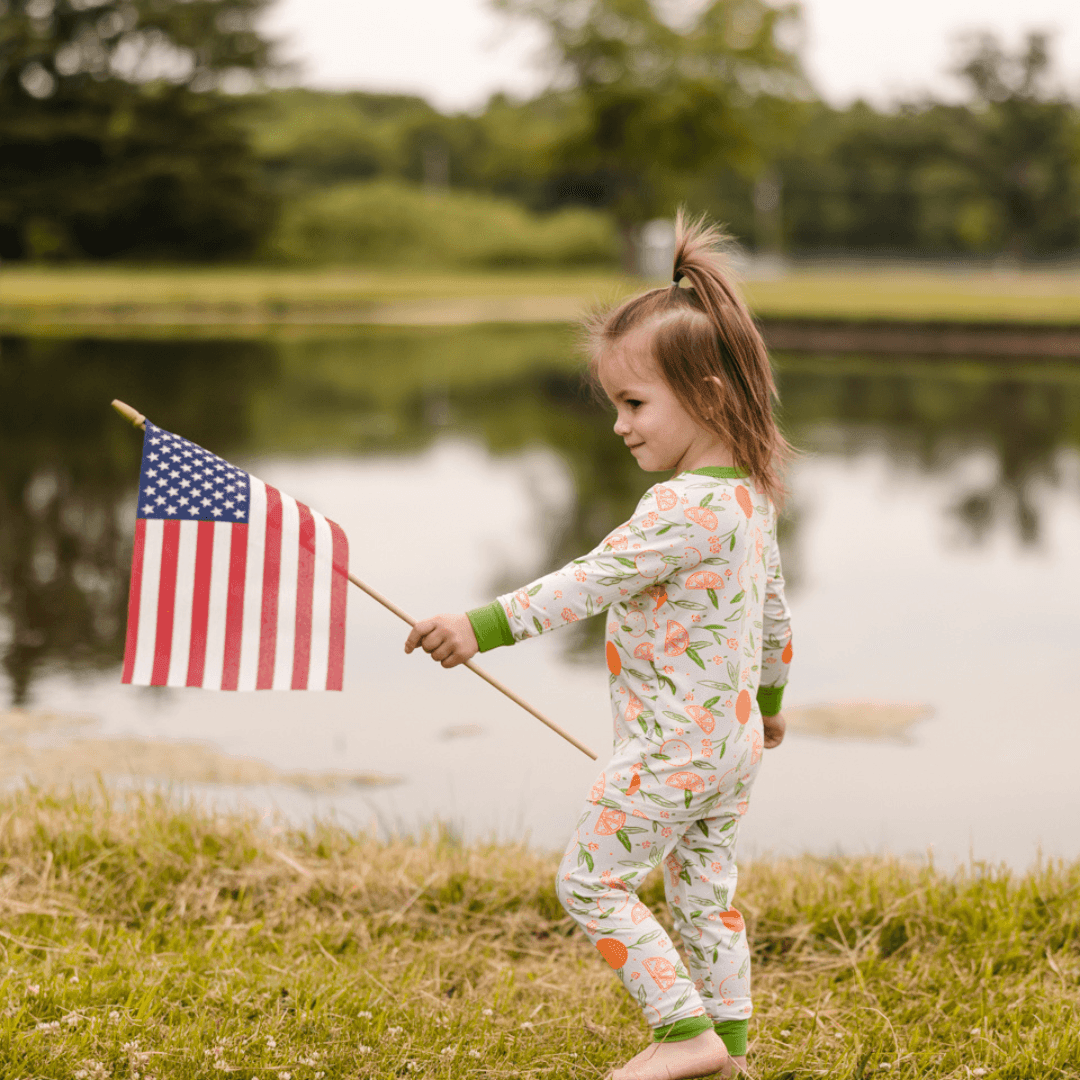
point(143, 940)
point(261, 296)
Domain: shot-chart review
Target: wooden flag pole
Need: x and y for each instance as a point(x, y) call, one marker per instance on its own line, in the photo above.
point(137, 418)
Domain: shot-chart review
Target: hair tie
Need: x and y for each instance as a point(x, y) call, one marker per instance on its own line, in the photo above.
point(676, 279)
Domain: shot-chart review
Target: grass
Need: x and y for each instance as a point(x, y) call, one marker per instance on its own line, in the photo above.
point(259, 296)
point(142, 939)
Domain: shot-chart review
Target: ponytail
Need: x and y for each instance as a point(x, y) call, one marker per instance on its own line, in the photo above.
point(709, 351)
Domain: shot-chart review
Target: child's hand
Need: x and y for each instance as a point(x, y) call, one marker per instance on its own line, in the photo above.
point(448, 638)
point(774, 727)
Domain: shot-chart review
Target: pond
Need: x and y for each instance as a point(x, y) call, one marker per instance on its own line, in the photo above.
point(929, 544)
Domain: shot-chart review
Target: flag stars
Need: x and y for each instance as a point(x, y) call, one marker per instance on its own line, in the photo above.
point(184, 500)
point(149, 490)
point(217, 511)
point(239, 513)
point(173, 491)
point(170, 509)
point(152, 457)
point(160, 500)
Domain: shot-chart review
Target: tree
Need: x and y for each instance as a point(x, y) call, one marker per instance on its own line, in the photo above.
point(119, 130)
point(1018, 143)
point(656, 100)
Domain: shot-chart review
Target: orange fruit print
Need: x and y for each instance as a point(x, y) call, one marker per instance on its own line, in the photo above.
point(732, 919)
point(610, 822)
point(705, 579)
point(613, 951)
point(702, 717)
point(644, 651)
point(686, 781)
point(597, 792)
point(742, 497)
point(661, 970)
point(787, 653)
point(635, 783)
point(613, 662)
point(677, 639)
point(639, 913)
point(634, 709)
point(703, 516)
point(665, 498)
point(742, 706)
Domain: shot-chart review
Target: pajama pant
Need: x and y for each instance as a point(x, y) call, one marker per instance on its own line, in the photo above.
point(637, 817)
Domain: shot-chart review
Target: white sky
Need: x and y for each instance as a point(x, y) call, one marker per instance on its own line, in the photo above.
point(457, 52)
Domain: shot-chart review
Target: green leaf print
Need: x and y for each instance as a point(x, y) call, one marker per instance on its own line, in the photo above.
point(715, 954)
point(685, 994)
point(584, 856)
point(706, 500)
point(692, 653)
point(711, 702)
point(737, 598)
point(733, 675)
point(703, 826)
point(731, 546)
point(701, 764)
point(652, 935)
point(687, 796)
point(688, 605)
point(639, 675)
point(624, 840)
point(711, 593)
point(539, 626)
point(696, 914)
point(642, 999)
point(626, 562)
point(745, 965)
point(660, 532)
point(655, 856)
point(535, 589)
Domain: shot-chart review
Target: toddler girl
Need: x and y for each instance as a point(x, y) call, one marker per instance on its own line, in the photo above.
point(698, 647)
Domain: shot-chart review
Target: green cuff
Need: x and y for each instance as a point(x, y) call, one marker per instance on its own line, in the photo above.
point(490, 626)
point(682, 1029)
point(733, 1032)
point(769, 699)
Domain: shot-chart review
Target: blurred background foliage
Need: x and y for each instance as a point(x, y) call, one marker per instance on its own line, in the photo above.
point(144, 129)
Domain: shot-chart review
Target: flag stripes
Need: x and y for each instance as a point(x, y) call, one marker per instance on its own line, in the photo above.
point(253, 605)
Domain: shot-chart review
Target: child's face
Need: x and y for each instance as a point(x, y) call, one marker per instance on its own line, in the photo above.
point(651, 420)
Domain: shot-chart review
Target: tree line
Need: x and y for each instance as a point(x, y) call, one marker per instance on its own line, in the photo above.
point(137, 129)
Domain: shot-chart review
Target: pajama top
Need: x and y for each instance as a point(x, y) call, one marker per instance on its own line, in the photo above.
point(698, 624)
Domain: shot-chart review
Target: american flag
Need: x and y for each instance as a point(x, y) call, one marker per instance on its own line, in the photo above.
point(234, 584)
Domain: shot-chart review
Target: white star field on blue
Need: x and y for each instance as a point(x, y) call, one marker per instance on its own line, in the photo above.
point(183, 482)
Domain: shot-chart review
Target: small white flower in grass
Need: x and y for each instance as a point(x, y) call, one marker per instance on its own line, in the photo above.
point(489, 1012)
point(48, 1025)
point(72, 1019)
point(394, 1030)
point(74, 978)
point(785, 1032)
point(412, 1066)
point(33, 989)
point(475, 1054)
point(363, 1014)
point(114, 1016)
point(978, 1072)
point(975, 1031)
point(319, 1075)
point(271, 1042)
point(362, 1049)
point(285, 1075)
point(884, 1066)
point(526, 1024)
point(446, 1051)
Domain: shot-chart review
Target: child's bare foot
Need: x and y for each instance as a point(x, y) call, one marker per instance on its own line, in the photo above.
point(702, 1055)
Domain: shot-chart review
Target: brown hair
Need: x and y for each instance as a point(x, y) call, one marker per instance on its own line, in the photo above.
point(698, 334)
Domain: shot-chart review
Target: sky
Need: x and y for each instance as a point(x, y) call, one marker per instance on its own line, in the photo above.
point(456, 53)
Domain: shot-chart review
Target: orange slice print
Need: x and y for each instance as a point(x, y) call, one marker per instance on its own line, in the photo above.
point(610, 822)
point(639, 913)
point(690, 558)
point(742, 497)
point(702, 515)
point(677, 639)
point(787, 654)
point(638, 623)
point(649, 563)
point(705, 579)
point(742, 706)
point(677, 752)
point(702, 717)
point(755, 747)
point(732, 919)
point(686, 781)
point(613, 662)
point(597, 792)
point(522, 597)
point(635, 784)
point(634, 709)
point(644, 651)
point(661, 970)
point(613, 882)
point(665, 498)
point(613, 951)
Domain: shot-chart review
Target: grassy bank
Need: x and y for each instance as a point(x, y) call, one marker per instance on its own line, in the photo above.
point(39, 297)
point(144, 941)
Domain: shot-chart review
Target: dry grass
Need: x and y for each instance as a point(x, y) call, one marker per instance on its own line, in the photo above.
point(145, 940)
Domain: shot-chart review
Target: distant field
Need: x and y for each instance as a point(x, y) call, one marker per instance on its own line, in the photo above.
point(37, 297)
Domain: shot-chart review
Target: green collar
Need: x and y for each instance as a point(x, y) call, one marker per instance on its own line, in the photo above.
point(721, 472)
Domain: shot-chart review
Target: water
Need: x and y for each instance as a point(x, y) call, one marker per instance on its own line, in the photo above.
point(930, 548)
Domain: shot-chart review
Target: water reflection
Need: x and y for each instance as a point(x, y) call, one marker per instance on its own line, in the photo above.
point(68, 465)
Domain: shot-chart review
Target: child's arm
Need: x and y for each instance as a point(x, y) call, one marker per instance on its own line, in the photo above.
point(643, 552)
point(776, 650)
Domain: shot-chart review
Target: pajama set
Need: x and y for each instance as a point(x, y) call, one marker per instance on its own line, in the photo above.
point(698, 648)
